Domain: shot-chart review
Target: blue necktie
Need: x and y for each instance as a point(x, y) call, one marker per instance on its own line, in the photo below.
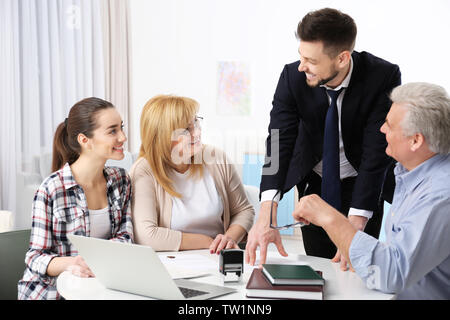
point(331, 180)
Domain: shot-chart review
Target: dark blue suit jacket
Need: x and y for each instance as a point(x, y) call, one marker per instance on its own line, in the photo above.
point(299, 113)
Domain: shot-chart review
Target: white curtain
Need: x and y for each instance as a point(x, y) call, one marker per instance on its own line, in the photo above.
point(10, 134)
point(51, 57)
point(117, 57)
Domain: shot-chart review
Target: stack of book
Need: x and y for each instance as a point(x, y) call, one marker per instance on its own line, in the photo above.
point(283, 281)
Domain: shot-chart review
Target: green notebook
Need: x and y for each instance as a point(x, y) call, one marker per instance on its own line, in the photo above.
point(287, 274)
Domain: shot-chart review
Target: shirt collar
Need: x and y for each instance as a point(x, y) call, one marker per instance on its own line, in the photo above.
point(345, 82)
point(413, 178)
point(69, 180)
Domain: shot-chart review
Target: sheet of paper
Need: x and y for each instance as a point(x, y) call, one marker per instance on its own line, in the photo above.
point(195, 265)
point(188, 265)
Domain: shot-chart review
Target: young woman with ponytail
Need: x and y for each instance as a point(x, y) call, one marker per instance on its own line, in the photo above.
point(81, 197)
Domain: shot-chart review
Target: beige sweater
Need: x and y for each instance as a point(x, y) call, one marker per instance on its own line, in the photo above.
point(151, 205)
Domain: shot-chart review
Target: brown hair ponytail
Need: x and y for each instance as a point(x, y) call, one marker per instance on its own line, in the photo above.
point(81, 119)
point(62, 153)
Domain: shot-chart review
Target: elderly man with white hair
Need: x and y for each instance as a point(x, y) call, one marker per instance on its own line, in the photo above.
point(414, 262)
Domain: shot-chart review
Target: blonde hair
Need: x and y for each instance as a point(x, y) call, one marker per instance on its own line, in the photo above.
point(161, 116)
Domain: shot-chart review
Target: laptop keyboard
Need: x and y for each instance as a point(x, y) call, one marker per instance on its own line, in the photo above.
point(189, 293)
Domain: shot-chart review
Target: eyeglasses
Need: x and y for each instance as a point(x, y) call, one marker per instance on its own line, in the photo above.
point(292, 225)
point(197, 124)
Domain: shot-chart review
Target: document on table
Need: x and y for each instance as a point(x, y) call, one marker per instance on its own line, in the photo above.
point(185, 266)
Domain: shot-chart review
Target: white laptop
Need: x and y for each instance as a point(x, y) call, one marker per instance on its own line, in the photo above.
point(137, 269)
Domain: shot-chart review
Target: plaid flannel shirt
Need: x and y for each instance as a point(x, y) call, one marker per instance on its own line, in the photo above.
point(60, 208)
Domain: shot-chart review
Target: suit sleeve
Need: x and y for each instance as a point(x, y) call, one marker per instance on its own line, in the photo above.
point(283, 129)
point(374, 160)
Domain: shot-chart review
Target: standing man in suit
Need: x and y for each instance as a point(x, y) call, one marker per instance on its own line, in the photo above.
point(324, 134)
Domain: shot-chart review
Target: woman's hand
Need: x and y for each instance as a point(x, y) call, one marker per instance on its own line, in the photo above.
point(222, 242)
point(79, 268)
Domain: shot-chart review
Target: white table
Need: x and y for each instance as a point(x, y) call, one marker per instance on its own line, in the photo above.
point(338, 284)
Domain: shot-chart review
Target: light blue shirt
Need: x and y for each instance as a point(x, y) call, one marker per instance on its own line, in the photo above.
point(414, 262)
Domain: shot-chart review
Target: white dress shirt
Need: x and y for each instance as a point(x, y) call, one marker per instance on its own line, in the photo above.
point(346, 169)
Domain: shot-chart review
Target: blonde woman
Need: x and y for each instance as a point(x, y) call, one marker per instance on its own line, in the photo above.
point(186, 195)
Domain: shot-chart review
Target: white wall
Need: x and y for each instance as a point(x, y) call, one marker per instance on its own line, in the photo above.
point(177, 43)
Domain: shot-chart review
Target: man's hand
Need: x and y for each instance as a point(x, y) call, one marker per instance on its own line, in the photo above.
point(359, 222)
point(312, 209)
point(315, 210)
point(261, 235)
point(344, 264)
